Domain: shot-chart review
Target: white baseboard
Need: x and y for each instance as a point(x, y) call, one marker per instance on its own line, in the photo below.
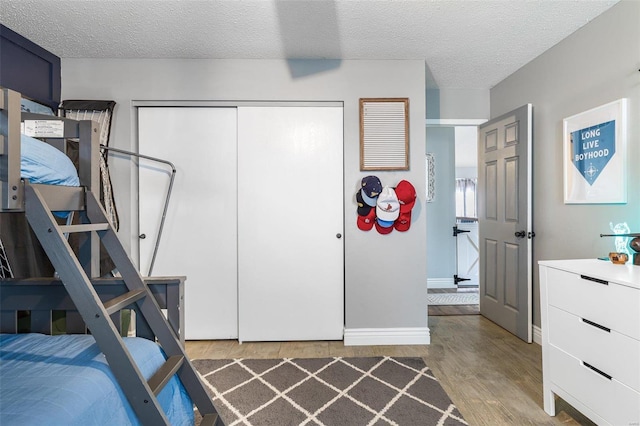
point(537, 335)
point(440, 283)
point(387, 336)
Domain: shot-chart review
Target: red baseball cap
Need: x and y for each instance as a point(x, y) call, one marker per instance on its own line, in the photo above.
point(382, 230)
point(365, 223)
point(403, 222)
point(406, 194)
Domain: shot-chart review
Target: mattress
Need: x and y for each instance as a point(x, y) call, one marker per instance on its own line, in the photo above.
point(65, 380)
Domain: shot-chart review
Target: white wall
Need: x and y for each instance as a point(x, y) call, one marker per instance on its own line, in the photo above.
point(596, 65)
point(385, 284)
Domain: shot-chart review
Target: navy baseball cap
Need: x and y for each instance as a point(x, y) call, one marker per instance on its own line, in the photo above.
point(363, 208)
point(371, 186)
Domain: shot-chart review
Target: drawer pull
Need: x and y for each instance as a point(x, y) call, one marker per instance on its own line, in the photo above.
point(601, 327)
point(595, 280)
point(600, 372)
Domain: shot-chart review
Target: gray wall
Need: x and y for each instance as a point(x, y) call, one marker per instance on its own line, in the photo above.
point(385, 284)
point(441, 212)
point(455, 104)
point(596, 65)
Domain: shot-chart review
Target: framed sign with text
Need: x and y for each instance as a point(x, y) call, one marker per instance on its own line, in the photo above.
point(595, 164)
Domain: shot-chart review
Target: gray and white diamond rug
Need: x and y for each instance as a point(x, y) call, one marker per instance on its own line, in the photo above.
point(327, 391)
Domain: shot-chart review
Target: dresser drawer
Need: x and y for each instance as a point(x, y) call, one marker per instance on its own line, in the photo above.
point(608, 398)
point(612, 305)
point(609, 351)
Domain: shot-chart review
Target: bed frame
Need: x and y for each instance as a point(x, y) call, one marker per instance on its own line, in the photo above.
point(91, 302)
point(12, 186)
point(42, 296)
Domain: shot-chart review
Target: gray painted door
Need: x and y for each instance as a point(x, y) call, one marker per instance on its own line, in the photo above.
point(504, 213)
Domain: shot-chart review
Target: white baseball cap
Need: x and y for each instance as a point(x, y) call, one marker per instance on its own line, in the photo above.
point(388, 206)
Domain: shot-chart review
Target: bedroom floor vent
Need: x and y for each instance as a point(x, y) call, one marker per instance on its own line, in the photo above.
point(140, 392)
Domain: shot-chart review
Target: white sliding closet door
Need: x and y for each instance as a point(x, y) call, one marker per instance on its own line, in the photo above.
point(199, 238)
point(290, 223)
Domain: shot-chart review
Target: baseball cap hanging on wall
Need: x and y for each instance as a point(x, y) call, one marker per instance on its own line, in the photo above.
point(406, 194)
point(387, 210)
point(365, 223)
point(387, 206)
point(370, 189)
point(407, 199)
point(363, 208)
point(403, 222)
point(384, 227)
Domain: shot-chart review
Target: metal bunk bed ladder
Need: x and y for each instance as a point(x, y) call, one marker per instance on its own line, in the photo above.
point(96, 314)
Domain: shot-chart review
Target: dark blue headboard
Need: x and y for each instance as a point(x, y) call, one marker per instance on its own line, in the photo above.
point(29, 69)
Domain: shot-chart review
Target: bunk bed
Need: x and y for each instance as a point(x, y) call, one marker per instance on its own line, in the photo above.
point(76, 377)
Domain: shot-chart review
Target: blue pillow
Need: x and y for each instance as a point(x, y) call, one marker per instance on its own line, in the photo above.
point(35, 107)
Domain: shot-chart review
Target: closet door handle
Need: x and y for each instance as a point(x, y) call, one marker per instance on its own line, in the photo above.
point(520, 234)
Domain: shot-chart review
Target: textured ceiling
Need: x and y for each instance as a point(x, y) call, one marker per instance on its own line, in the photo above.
point(465, 44)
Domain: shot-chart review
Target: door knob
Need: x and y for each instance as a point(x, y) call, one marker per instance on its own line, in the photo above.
point(520, 234)
point(338, 236)
point(531, 234)
point(142, 236)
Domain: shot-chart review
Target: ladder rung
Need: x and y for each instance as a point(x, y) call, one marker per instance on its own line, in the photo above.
point(124, 300)
point(164, 373)
point(85, 227)
point(209, 420)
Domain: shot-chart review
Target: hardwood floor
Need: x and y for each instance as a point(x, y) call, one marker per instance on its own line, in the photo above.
point(454, 310)
point(493, 377)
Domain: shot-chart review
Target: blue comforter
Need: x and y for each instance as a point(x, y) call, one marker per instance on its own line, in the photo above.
point(42, 163)
point(65, 380)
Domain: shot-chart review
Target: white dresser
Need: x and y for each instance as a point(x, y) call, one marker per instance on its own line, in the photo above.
point(591, 338)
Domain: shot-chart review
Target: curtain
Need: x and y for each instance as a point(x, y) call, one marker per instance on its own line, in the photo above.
point(466, 197)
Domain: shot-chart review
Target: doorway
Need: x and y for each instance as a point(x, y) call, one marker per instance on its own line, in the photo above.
point(453, 283)
point(466, 231)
